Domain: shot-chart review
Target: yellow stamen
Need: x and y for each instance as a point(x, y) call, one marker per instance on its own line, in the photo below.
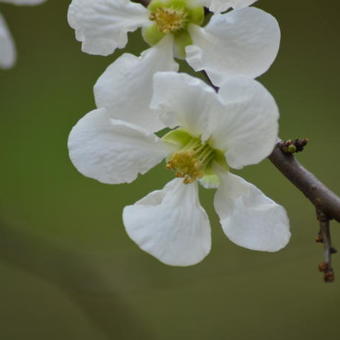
point(169, 20)
point(191, 162)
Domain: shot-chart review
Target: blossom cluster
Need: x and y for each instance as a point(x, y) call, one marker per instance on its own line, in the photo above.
point(207, 132)
point(7, 46)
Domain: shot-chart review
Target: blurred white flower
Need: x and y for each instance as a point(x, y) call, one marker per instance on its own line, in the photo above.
point(7, 47)
point(209, 133)
point(244, 41)
point(223, 5)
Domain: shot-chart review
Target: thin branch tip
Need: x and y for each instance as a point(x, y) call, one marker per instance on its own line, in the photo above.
point(293, 146)
point(325, 235)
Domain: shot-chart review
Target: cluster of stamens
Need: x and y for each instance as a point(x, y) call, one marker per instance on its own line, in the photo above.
point(169, 19)
point(191, 161)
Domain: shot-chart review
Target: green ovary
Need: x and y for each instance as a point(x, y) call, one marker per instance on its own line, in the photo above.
point(172, 17)
point(193, 160)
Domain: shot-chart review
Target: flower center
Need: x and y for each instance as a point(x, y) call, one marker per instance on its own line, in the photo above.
point(191, 161)
point(173, 17)
point(169, 20)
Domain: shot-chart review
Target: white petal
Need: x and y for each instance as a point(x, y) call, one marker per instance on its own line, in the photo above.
point(240, 42)
point(170, 224)
point(7, 47)
point(24, 2)
point(248, 217)
point(125, 88)
point(247, 128)
point(218, 6)
point(103, 25)
point(240, 3)
point(112, 151)
point(182, 100)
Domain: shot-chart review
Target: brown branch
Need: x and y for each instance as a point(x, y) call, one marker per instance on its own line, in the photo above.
point(325, 238)
point(323, 198)
point(327, 203)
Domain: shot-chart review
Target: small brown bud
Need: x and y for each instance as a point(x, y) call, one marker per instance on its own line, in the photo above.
point(319, 239)
point(333, 250)
point(300, 143)
point(293, 146)
point(323, 267)
point(329, 276)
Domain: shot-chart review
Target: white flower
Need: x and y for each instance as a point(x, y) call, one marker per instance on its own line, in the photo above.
point(223, 5)
point(244, 41)
point(7, 47)
point(210, 133)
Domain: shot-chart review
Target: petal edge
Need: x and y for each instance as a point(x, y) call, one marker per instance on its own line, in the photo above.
point(170, 224)
point(248, 217)
point(112, 151)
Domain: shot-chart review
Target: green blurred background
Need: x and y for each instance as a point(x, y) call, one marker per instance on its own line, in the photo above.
point(67, 268)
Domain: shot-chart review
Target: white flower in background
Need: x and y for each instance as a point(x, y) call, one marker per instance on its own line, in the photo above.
point(244, 41)
point(7, 47)
point(209, 133)
point(223, 5)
